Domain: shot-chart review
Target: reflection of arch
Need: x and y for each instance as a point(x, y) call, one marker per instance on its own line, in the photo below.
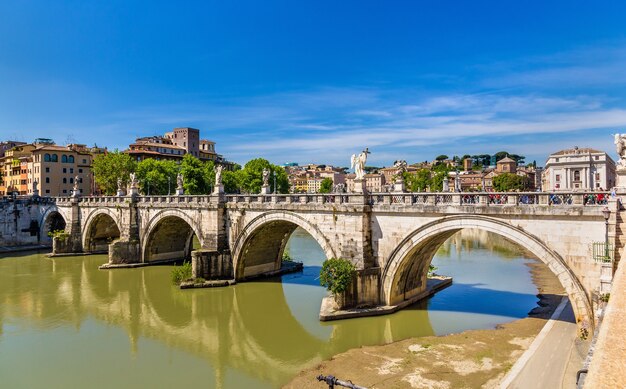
point(259, 247)
point(169, 235)
point(404, 275)
point(100, 229)
point(52, 220)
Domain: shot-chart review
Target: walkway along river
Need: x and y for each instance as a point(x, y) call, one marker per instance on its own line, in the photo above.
point(64, 323)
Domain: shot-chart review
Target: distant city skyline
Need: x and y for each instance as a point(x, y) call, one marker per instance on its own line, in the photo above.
point(316, 82)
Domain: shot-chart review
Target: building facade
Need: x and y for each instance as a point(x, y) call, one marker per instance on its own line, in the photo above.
point(578, 169)
point(54, 168)
point(174, 145)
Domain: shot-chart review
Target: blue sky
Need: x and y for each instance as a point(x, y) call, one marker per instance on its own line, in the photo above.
point(315, 81)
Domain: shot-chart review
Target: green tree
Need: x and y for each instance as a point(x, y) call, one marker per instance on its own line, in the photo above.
point(326, 186)
point(194, 175)
point(503, 154)
point(441, 158)
point(230, 179)
point(250, 178)
point(418, 181)
point(508, 181)
point(108, 168)
point(157, 177)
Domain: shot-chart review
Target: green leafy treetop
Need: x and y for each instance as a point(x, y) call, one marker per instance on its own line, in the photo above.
point(337, 275)
point(326, 186)
point(108, 168)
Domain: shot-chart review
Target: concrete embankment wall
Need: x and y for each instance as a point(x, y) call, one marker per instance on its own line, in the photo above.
point(609, 357)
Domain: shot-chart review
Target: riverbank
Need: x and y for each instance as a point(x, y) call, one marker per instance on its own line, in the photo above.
point(475, 358)
point(18, 249)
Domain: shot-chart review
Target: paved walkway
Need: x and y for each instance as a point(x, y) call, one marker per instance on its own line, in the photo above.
point(547, 359)
point(15, 249)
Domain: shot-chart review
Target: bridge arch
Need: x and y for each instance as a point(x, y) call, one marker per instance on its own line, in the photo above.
point(169, 235)
point(101, 228)
point(258, 249)
point(404, 274)
point(52, 220)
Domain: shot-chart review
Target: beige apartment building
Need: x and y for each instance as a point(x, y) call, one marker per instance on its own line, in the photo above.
point(174, 145)
point(53, 167)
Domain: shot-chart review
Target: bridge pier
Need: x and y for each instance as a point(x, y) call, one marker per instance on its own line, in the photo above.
point(71, 241)
point(211, 264)
point(127, 249)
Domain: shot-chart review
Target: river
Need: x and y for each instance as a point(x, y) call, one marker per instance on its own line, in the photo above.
point(64, 323)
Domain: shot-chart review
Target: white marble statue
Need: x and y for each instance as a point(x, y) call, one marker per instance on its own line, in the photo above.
point(119, 185)
point(76, 184)
point(133, 181)
point(620, 145)
point(179, 181)
point(358, 163)
point(266, 177)
point(35, 184)
point(401, 167)
point(218, 174)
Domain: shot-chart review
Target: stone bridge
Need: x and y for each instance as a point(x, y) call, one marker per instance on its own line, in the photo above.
point(391, 238)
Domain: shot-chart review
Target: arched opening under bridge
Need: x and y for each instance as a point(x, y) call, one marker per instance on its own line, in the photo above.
point(170, 238)
point(99, 233)
point(404, 276)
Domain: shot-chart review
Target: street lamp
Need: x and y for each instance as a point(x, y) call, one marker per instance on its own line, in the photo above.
point(606, 212)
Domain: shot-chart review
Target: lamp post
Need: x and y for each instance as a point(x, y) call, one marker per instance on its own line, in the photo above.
point(606, 212)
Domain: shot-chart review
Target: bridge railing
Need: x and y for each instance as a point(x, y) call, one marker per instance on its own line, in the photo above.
point(557, 199)
point(494, 198)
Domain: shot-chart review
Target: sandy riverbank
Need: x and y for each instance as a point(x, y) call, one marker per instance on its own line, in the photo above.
point(471, 359)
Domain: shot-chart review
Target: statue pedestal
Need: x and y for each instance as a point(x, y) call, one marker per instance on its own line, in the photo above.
point(219, 189)
point(75, 193)
point(360, 187)
point(620, 174)
point(36, 193)
point(446, 185)
point(120, 193)
point(265, 190)
point(398, 187)
point(133, 192)
point(180, 191)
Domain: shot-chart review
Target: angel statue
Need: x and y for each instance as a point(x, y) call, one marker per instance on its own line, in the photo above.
point(179, 181)
point(76, 184)
point(620, 145)
point(358, 163)
point(266, 177)
point(133, 181)
point(119, 185)
point(400, 169)
point(218, 174)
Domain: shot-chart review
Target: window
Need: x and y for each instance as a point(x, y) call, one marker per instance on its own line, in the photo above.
point(80, 170)
point(65, 180)
point(46, 158)
point(597, 184)
point(558, 178)
point(577, 175)
point(84, 161)
point(598, 176)
point(557, 186)
point(71, 170)
point(54, 158)
point(64, 190)
point(47, 180)
point(47, 170)
point(70, 159)
point(64, 170)
point(47, 190)
point(64, 158)
point(71, 180)
point(597, 157)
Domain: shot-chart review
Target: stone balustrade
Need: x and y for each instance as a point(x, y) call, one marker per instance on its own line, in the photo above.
point(432, 199)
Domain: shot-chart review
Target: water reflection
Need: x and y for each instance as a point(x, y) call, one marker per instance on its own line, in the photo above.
point(135, 324)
